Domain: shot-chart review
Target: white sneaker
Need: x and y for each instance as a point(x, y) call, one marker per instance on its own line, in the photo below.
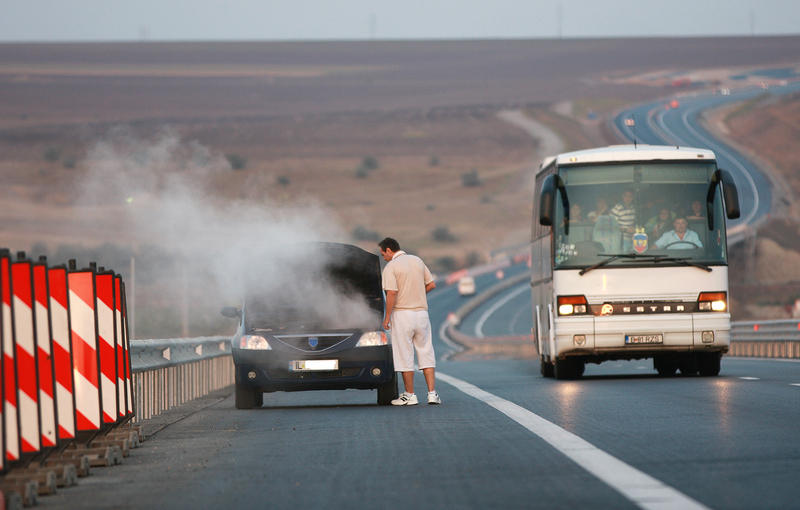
point(433, 398)
point(406, 399)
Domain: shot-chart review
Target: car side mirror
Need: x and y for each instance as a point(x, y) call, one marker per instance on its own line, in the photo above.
point(231, 312)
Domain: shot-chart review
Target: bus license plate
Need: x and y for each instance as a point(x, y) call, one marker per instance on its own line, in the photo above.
point(644, 339)
point(314, 365)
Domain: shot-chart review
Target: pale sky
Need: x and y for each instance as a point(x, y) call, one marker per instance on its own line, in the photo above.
point(171, 20)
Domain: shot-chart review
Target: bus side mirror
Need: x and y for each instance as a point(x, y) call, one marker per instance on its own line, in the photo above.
point(547, 201)
point(729, 193)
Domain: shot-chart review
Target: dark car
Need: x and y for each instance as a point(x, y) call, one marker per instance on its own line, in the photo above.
point(286, 343)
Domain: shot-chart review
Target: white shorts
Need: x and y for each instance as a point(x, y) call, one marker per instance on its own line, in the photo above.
point(411, 329)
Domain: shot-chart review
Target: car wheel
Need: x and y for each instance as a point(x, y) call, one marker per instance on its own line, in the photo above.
point(709, 363)
point(545, 368)
point(247, 398)
point(388, 391)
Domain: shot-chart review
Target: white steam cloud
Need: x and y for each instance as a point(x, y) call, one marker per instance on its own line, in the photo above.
point(169, 187)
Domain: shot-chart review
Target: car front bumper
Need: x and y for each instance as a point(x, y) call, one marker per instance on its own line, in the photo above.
point(269, 370)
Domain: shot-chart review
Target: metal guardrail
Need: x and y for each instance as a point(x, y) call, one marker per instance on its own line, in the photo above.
point(170, 372)
point(766, 339)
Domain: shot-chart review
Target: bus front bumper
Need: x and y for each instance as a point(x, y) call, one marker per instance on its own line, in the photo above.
point(622, 337)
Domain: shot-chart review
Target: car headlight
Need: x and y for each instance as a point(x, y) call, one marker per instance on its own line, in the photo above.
point(372, 338)
point(254, 342)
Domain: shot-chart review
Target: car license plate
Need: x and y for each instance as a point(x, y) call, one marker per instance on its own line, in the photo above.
point(314, 365)
point(644, 339)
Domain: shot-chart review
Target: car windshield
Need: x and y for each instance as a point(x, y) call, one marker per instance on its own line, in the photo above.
point(639, 214)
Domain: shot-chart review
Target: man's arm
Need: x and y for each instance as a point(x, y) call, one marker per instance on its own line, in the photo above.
point(430, 286)
point(391, 298)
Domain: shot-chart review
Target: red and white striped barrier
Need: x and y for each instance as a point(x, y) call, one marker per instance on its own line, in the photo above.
point(120, 350)
point(85, 363)
point(24, 335)
point(41, 311)
point(130, 408)
point(10, 439)
point(104, 309)
point(62, 351)
point(65, 371)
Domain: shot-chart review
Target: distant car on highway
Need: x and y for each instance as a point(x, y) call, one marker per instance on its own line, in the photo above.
point(466, 286)
point(288, 346)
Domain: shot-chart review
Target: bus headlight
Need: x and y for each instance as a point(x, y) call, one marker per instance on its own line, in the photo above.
point(712, 302)
point(568, 305)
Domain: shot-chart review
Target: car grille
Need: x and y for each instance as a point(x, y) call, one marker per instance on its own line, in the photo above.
point(306, 343)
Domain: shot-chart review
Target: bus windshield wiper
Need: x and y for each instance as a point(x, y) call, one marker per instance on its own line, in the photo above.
point(685, 261)
point(615, 256)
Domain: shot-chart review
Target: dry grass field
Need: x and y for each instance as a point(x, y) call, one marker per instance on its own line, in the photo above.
point(385, 138)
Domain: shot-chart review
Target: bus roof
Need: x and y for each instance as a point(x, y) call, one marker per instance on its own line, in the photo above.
point(638, 152)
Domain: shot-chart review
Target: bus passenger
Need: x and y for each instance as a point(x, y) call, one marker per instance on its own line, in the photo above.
point(680, 238)
point(575, 214)
point(657, 225)
point(625, 214)
point(697, 211)
point(600, 210)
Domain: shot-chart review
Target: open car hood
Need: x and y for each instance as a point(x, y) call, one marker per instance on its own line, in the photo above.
point(353, 296)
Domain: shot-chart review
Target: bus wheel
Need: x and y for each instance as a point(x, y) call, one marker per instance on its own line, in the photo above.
point(545, 367)
point(569, 368)
point(688, 364)
point(709, 363)
point(665, 367)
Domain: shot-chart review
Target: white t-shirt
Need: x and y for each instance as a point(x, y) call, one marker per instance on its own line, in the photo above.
point(408, 275)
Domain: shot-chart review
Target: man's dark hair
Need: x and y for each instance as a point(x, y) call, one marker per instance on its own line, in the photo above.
point(390, 244)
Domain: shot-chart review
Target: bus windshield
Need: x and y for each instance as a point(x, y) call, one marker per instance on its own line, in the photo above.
point(639, 214)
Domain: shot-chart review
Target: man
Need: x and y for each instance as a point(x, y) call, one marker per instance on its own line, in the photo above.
point(657, 225)
point(681, 238)
point(407, 280)
point(625, 215)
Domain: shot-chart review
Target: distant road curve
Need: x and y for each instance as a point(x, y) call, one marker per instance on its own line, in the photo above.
point(656, 124)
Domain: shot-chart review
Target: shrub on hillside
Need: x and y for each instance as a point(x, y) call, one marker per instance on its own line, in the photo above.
point(442, 234)
point(236, 161)
point(471, 179)
point(362, 233)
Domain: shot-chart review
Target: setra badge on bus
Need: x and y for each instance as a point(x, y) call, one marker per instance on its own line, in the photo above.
point(640, 241)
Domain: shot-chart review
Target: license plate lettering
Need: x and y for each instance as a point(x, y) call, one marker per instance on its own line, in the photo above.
point(314, 365)
point(644, 339)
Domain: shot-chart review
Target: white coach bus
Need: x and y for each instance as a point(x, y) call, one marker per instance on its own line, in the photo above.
point(629, 259)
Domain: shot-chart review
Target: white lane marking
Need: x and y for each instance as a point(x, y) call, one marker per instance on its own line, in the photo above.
point(794, 384)
point(500, 302)
point(642, 489)
point(747, 378)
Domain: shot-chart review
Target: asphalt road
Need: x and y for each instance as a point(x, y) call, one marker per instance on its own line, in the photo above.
point(621, 437)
